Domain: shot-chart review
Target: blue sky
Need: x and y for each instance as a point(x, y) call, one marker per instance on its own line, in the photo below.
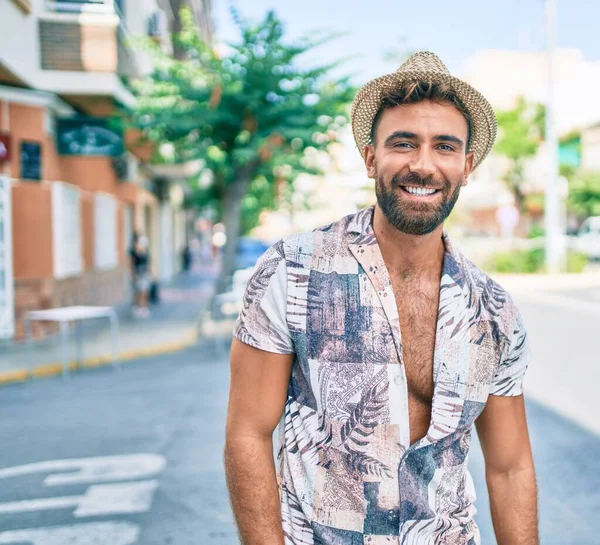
point(454, 30)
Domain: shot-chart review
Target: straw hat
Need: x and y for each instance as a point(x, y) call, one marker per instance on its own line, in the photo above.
point(425, 66)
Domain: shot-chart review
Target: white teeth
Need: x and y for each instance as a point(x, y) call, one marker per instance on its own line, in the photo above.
point(420, 191)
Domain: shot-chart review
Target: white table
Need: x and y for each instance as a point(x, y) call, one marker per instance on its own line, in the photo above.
point(77, 314)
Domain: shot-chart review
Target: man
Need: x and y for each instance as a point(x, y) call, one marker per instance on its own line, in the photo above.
point(379, 345)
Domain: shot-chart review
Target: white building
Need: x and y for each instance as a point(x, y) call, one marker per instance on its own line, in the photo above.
point(504, 76)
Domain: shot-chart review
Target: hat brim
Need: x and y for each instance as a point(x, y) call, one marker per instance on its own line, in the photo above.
point(368, 101)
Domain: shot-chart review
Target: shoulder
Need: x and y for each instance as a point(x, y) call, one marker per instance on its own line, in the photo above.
point(331, 238)
point(494, 302)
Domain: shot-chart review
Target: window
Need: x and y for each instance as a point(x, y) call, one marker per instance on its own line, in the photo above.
point(66, 230)
point(7, 311)
point(105, 232)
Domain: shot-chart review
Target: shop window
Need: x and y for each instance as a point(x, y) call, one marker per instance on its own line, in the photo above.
point(105, 232)
point(66, 230)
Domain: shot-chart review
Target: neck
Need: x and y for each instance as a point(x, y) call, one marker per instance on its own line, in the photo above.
point(409, 255)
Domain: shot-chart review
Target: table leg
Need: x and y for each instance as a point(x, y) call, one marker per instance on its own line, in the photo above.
point(29, 343)
point(64, 347)
point(114, 333)
point(79, 343)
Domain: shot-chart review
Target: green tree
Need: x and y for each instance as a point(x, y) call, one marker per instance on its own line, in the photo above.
point(584, 193)
point(521, 130)
point(253, 115)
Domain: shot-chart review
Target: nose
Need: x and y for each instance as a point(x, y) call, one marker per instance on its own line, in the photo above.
point(423, 163)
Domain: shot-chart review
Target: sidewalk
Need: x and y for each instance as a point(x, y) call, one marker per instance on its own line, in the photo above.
point(172, 326)
point(548, 282)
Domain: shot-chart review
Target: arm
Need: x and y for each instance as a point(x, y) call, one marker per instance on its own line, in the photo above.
point(510, 474)
point(258, 390)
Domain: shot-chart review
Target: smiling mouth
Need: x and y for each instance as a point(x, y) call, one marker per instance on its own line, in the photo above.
point(421, 192)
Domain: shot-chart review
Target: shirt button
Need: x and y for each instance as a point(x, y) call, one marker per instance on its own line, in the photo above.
point(398, 380)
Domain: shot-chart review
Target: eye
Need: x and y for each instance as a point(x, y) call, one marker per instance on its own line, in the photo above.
point(445, 147)
point(403, 145)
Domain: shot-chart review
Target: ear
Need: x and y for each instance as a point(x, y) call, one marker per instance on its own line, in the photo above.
point(369, 155)
point(469, 161)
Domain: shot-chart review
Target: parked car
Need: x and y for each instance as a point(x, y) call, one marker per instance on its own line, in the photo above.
point(588, 237)
point(248, 252)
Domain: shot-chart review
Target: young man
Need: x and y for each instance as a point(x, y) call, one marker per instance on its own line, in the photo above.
point(379, 345)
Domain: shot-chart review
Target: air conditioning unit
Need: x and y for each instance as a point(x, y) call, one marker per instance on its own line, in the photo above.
point(158, 25)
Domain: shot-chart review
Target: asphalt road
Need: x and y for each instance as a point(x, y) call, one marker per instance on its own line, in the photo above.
point(134, 457)
point(171, 408)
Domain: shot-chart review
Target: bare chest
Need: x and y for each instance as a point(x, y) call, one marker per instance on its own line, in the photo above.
point(417, 310)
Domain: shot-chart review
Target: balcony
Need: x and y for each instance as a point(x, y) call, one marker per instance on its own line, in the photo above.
point(83, 6)
point(84, 53)
point(79, 36)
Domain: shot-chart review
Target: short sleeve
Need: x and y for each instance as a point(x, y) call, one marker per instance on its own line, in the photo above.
point(262, 322)
point(508, 380)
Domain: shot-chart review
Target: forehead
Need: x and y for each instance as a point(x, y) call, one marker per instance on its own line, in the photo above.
point(425, 118)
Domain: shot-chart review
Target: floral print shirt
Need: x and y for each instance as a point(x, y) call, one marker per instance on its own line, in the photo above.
point(347, 472)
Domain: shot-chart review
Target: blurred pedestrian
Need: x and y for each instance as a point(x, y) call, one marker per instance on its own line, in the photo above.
point(377, 346)
point(186, 258)
point(140, 267)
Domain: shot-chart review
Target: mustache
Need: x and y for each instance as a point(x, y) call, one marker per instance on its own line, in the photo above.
point(415, 180)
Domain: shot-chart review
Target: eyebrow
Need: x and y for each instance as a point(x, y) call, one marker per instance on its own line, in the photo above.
point(400, 134)
point(449, 138)
point(413, 136)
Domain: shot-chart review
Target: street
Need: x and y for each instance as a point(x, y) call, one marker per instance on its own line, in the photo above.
point(171, 408)
point(135, 456)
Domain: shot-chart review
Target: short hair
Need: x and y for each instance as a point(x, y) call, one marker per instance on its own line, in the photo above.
point(418, 91)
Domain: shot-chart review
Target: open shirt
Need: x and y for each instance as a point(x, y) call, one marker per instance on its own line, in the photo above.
point(346, 470)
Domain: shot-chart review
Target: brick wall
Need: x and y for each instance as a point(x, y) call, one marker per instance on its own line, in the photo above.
point(35, 285)
point(87, 229)
point(90, 288)
point(90, 173)
point(32, 231)
point(80, 47)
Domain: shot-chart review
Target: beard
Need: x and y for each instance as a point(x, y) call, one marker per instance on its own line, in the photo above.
point(410, 217)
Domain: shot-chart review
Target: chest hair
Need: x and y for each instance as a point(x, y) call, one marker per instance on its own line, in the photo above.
point(417, 309)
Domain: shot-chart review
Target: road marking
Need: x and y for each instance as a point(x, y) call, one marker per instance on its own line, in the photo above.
point(91, 470)
point(98, 500)
point(112, 499)
point(93, 533)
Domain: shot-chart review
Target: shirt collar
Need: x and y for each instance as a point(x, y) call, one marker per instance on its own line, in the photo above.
point(361, 224)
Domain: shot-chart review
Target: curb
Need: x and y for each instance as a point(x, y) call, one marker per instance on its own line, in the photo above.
point(54, 369)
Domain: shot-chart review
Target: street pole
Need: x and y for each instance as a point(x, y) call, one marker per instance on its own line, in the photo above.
point(555, 240)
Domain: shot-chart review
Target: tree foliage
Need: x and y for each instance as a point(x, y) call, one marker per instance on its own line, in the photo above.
point(249, 113)
point(521, 130)
point(584, 193)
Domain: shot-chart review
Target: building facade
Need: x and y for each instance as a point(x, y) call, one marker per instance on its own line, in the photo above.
point(73, 189)
point(503, 76)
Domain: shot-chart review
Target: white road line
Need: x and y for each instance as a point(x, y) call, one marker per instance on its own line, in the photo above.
point(24, 506)
point(98, 500)
point(93, 533)
point(90, 470)
point(113, 499)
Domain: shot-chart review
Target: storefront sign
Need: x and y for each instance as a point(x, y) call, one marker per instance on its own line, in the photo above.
point(31, 161)
point(89, 136)
point(4, 147)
